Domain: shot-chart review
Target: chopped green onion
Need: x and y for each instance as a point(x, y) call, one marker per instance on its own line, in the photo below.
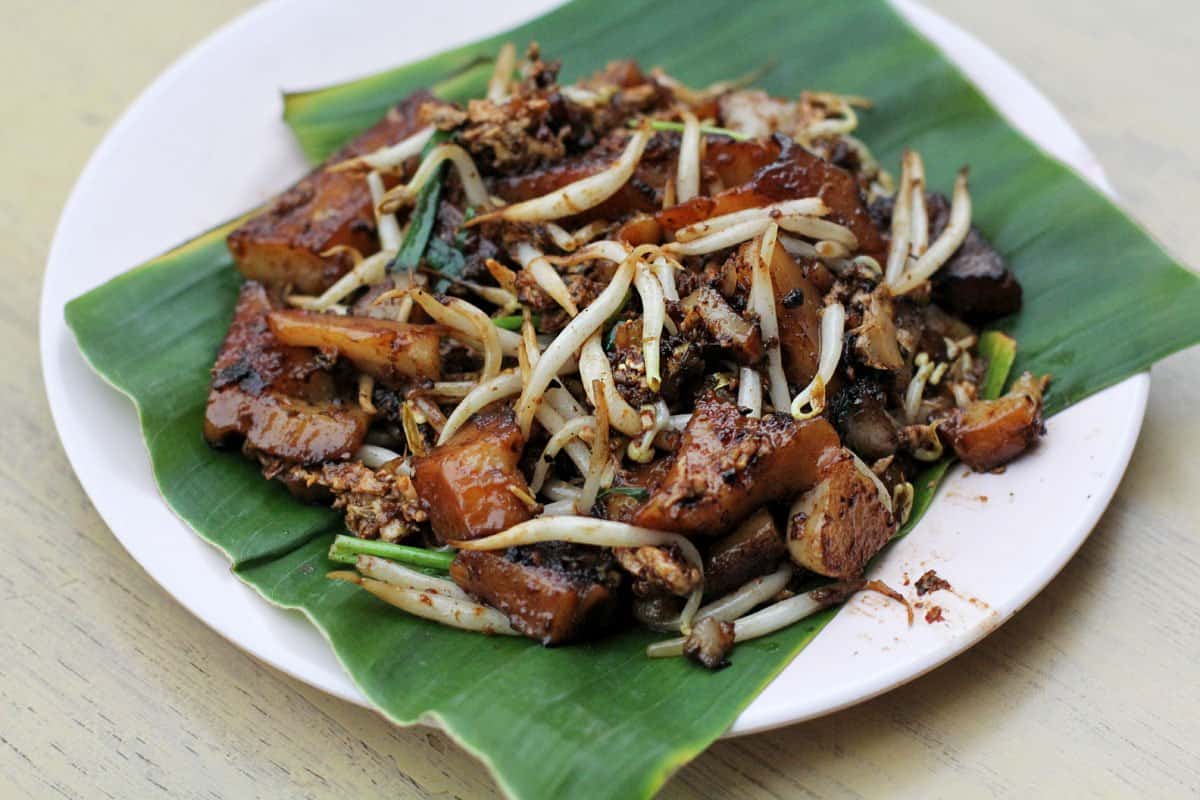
point(347, 549)
point(513, 322)
point(424, 214)
point(447, 260)
point(667, 125)
point(460, 238)
point(1000, 350)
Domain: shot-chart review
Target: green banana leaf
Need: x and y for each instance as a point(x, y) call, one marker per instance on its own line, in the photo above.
point(1103, 302)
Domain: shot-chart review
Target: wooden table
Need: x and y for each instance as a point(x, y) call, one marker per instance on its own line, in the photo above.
point(108, 688)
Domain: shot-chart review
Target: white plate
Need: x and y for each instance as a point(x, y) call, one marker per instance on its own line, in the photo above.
point(205, 141)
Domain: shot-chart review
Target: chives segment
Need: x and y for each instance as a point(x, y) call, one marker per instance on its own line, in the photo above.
point(424, 214)
point(667, 125)
point(636, 492)
point(1000, 350)
point(447, 260)
point(347, 549)
point(513, 322)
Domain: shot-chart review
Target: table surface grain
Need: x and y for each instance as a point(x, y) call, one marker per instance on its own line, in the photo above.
point(108, 688)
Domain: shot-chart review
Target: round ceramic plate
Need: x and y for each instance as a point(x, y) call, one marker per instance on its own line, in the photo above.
point(210, 125)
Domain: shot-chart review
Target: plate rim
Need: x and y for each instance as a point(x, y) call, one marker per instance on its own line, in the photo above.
point(752, 720)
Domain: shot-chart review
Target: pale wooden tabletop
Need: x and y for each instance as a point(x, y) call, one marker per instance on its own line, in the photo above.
point(108, 688)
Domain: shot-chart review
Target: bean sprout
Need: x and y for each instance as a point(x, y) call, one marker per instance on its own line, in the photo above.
point(770, 619)
point(741, 601)
point(433, 606)
point(885, 496)
point(762, 301)
point(719, 240)
point(468, 174)
point(601, 532)
point(374, 456)
point(916, 387)
point(902, 501)
point(811, 400)
point(944, 246)
point(817, 228)
point(539, 268)
point(654, 313)
point(805, 206)
point(687, 174)
point(471, 323)
point(569, 242)
point(656, 418)
point(506, 384)
point(506, 61)
point(392, 156)
point(750, 391)
point(579, 196)
point(665, 271)
point(381, 569)
point(572, 338)
point(576, 428)
point(600, 457)
point(898, 252)
point(557, 490)
point(386, 224)
point(919, 224)
point(550, 419)
point(371, 269)
point(597, 376)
